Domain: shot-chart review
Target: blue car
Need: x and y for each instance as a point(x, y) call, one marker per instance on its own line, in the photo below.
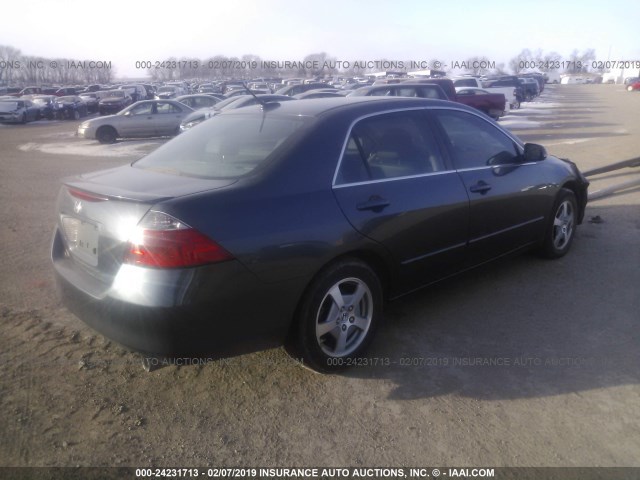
point(292, 222)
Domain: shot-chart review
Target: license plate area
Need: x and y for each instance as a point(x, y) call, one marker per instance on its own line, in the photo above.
point(82, 239)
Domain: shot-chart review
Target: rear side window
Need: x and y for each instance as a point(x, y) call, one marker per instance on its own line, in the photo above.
point(225, 146)
point(389, 146)
point(474, 142)
point(432, 92)
point(164, 107)
point(465, 82)
point(142, 109)
point(380, 92)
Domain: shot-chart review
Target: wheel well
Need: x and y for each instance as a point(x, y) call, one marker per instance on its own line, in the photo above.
point(106, 127)
point(377, 264)
point(373, 260)
point(573, 186)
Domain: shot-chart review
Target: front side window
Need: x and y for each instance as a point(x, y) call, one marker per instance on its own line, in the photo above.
point(389, 146)
point(142, 109)
point(201, 102)
point(406, 92)
point(474, 142)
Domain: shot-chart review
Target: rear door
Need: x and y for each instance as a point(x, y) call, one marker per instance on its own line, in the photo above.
point(394, 187)
point(168, 117)
point(508, 197)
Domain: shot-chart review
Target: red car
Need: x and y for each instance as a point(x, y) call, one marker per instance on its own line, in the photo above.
point(634, 86)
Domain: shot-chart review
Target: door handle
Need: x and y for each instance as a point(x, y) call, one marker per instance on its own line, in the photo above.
point(480, 187)
point(375, 203)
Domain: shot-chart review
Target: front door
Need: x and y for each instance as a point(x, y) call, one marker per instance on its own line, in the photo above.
point(508, 197)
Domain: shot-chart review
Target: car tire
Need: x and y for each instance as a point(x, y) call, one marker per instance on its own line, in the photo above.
point(630, 88)
point(562, 225)
point(332, 327)
point(24, 118)
point(76, 115)
point(106, 135)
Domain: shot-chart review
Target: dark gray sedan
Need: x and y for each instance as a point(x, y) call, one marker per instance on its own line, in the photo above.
point(293, 221)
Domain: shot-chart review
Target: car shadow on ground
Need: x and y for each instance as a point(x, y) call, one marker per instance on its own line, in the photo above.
point(524, 328)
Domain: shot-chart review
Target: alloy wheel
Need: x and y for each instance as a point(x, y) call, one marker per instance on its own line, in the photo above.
point(344, 317)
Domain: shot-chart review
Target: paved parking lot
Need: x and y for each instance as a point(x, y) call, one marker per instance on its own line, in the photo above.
point(522, 363)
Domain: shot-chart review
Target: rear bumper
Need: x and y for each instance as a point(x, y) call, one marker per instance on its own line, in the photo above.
point(210, 311)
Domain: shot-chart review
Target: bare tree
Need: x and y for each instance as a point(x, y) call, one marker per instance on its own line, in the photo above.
point(521, 61)
point(580, 62)
point(8, 55)
point(500, 69)
point(478, 65)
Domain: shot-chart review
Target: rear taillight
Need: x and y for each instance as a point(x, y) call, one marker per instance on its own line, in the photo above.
point(163, 241)
point(90, 197)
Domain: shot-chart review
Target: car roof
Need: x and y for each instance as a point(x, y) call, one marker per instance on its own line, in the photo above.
point(193, 95)
point(320, 107)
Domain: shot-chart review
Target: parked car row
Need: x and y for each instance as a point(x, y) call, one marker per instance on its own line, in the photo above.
point(494, 96)
point(23, 110)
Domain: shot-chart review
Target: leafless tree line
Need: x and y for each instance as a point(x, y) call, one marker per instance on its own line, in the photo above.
point(19, 69)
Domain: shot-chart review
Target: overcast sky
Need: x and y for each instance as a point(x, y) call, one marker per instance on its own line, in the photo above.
point(125, 31)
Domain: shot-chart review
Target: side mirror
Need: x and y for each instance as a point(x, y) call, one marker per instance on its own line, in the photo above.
point(534, 152)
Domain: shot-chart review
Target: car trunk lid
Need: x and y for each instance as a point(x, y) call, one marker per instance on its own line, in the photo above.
point(99, 212)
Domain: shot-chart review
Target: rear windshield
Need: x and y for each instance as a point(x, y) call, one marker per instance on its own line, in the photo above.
point(114, 93)
point(225, 146)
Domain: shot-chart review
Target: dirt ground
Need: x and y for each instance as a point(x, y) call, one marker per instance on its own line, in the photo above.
point(522, 363)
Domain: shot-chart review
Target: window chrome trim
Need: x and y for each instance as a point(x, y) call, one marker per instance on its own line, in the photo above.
point(516, 140)
point(500, 165)
point(382, 180)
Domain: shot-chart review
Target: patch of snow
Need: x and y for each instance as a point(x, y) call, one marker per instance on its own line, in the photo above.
point(518, 123)
point(544, 105)
point(91, 148)
point(569, 142)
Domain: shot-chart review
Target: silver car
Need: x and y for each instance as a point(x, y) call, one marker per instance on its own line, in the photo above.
point(18, 111)
point(148, 118)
